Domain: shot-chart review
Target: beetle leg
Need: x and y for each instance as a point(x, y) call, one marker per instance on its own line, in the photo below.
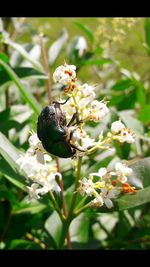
point(71, 134)
point(72, 119)
point(77, 148)
point(75, 116)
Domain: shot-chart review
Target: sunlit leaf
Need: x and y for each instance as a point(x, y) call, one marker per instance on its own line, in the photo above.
point(25, 54)
point(4, 58)
point(79, 228)
point(132, 200)
point(57, 47)
point(9, 167)
point(122, 85)
point(54, 226)
point(141, 170)
point(96, 61)
point(22, 73)
point(144, 114)
point(86, 30)
point(27, 96)
point(32, 208)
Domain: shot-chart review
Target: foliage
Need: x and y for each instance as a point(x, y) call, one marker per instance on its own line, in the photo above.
point(23, 93)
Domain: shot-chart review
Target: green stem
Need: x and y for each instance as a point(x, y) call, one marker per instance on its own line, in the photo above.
point(71, 214)
point(77, 212)
point(62, 217)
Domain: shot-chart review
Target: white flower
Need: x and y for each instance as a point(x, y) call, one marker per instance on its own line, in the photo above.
point(122, 171)
point(78, 135)
point(117, 126)
point(33, 191)
point(127, 136)
point(87, 142)
point(98, 110)
point(97, 201)
point(34, 140)
point(64, 74)
point(29, 165)
point(107, 195)
point(41, 175)
point(101, 173)
point(36, 148)
point(86, 186)
point(81, 46)
point(87, 91)
point(51, 184)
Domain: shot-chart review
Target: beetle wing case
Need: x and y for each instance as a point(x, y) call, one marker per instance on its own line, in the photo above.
point(52, 133)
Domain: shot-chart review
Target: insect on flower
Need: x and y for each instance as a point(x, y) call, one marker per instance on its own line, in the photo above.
point(53, 131)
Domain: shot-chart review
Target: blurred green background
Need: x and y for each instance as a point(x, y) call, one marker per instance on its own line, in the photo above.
point(112, 54)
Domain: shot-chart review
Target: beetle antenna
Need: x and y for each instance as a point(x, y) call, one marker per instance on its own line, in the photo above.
point(61, 103)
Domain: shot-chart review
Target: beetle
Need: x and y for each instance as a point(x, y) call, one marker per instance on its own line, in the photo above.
point(52, 131)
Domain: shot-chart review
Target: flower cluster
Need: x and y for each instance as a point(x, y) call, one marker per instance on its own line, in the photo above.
point(123, 134)
point(82, 100)
point(39, 169)
point(109, 185)
point(66, 75)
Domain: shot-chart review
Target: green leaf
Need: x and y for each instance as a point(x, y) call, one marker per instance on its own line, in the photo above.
point(9, 152)
point(147, 32)
point(4, 58)
point(22, 73)
point(14, 180)
point(32, 208)
point(57, 47)
point(129, 201)
point(122, 85)
point(25, 54)
point(23, 244)
point(144, 114)
point(27, 96)
point(141, 173)
point(96, 61)
point(140, 94)
point(86, 30)
point(4, 115)
point(54, 226)
point(139, 178)
point(79, 228)
point(8, 165)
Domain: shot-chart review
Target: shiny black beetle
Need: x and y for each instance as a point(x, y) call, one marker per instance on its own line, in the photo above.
point(52, 131)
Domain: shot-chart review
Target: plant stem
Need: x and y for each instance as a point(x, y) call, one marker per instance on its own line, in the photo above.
point(46, 67)
point(63, 203)
point(56, 206)
point(7, 224)
point(77, 212)
point(71, 214)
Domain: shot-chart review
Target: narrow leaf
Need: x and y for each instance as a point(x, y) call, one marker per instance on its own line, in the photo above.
point(96, 61)
point(57, 47)
point(133, 200)
point(25, 54)
point(122, 85)
point(86, 30)
point(27, 96)
point(22, 73)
